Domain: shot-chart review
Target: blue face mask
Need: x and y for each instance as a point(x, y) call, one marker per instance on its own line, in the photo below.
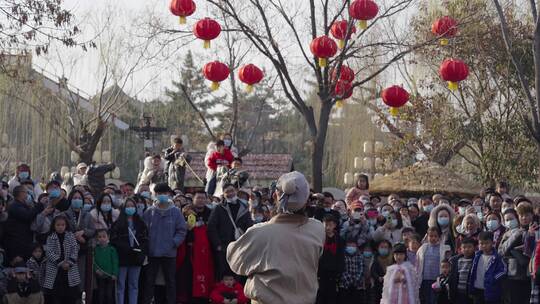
point(24, 175)
point(146, 194)
point(492, 225)
point(106, 208)
point(29, 198)
point(227, 142)
point(55, 193)
point(76, 203)
point(372, 222)
point(87, 207)
point(512, 224)
point(350, 250)
point(385, 213)
point(163, 198)
point(383, 251)
point(428, 208)
point(443, 221)
point(130, 211)
point(367, 254)
point(258, 219)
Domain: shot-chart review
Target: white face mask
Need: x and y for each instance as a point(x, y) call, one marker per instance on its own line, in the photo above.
point(232, 200)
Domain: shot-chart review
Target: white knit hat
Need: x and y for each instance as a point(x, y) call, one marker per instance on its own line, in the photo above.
point(295, 191)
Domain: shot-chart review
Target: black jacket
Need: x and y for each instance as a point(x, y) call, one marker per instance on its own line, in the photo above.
point(18, 237)
point(420, 224)
point(332, 261)
point(96, 177)
point(130, 256)
point(453, 279)
point(320, 213)
point(220, 228)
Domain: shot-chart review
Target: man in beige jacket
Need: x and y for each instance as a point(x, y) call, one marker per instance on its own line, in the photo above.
point(281, 257)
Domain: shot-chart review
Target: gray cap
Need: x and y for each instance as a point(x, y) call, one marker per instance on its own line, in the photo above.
point(295, 191)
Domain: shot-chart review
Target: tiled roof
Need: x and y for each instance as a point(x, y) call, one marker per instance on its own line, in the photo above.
point(259, 166)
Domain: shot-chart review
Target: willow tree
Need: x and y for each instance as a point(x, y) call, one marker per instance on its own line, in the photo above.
point(480, 123)
point(281, 32)
point(528, 71)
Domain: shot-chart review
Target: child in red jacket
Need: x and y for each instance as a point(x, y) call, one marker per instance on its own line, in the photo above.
point(228, 291)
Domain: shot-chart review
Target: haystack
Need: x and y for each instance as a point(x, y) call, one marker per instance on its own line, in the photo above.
point(424, 178)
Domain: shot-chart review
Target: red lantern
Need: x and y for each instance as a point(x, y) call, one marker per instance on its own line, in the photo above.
point(182, 9)
point(216, 72)
point(323, 47)
point(395, 97)
point(346, 74)
point(339, 31)
point(453, 71)
point(206, 29)
point(250, 74)
point(363, 10)
point(445, 27)
point(342, 91)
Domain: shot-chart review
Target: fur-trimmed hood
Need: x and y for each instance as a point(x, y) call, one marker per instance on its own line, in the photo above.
point(432, 222)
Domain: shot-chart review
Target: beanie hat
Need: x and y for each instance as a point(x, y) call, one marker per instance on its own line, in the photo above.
point(295, 191)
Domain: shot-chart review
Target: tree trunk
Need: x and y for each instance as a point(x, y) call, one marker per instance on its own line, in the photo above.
point(319, 141)
point(88, 144)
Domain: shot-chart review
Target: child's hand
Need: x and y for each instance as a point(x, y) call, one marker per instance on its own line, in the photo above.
point(65, 266)
point(533, 228)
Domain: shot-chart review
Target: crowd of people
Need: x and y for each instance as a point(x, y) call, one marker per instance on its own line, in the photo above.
point(80, 239)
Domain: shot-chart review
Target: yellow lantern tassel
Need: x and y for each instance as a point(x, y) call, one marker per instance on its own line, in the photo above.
point(323, 62)
point(341, 43)
point(394, 111)
point(249, 88)
point(214, 86)
point(339, 104)
point(182, 20)
point(453, 86)
point(206, 44)
point(444, 42)
point(362, 24)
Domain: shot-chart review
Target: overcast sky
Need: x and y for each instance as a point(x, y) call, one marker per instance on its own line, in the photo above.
point(81, 67)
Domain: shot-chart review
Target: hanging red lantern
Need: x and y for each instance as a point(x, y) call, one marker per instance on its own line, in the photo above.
point(207, 29)
point(346, 74)
point(250, 74)
point(395, 97)
point(339, 31)
point(454, 71)
point(216, 72)
point(323, 47)
point(363, 10)
point(342, 91)
point(182, 9)
point(445, 27)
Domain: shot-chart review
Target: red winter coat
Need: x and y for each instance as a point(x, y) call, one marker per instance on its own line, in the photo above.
point(218, 159)
point(217, 294)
